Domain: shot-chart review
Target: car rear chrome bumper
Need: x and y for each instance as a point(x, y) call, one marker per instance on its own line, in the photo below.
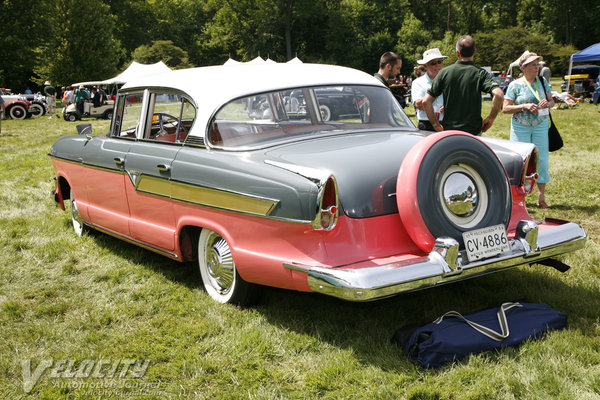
point(444, 264)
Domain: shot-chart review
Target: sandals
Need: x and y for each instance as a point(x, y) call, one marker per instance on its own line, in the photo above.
point(543, 204)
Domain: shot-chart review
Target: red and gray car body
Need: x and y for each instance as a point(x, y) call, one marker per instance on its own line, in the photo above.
point(261, 188)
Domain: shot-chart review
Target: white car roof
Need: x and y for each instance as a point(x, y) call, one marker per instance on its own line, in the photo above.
point(212, 87)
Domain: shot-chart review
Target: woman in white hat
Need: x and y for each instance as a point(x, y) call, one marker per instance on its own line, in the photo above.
point(432, 62)
point(529, 106)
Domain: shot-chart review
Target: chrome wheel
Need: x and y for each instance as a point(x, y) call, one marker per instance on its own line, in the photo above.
point(37, 110)
point(17, 111)
point(77, 221)
point(464, 196)
point(219, 274)
point(325, 112)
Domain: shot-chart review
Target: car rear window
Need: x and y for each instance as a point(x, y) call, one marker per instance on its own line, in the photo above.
point(264, 119)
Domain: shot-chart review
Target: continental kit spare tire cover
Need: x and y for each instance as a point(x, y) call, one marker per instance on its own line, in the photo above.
point(450, 183)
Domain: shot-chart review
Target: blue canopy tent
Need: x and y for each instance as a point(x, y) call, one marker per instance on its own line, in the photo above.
point(591, 53)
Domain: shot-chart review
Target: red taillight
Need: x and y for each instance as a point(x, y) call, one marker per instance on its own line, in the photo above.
point(329, 195)
point(329, 210)
point(530, 175)
point(532, 164)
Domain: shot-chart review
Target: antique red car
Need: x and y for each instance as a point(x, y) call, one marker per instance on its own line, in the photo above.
point(262, 187)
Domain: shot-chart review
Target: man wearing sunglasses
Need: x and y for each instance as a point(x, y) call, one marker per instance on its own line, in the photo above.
point(462, 84)
point(432, 61)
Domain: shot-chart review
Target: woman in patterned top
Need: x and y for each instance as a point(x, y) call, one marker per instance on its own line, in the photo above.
point(529, 106)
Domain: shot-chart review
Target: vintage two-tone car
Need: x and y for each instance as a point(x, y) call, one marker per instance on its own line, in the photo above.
point(359, 207)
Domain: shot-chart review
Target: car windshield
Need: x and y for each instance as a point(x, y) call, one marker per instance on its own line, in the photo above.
point(264, 119)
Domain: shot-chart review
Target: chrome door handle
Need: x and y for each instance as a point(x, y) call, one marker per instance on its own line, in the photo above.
point(119, 161)
point(163, 167)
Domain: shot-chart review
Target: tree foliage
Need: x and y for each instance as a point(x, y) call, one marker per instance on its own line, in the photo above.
point(66, 40)
point(162, 50)
point(80, 45)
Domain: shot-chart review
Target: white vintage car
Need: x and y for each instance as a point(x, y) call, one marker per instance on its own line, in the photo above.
point(260, 184)
point(16, 106)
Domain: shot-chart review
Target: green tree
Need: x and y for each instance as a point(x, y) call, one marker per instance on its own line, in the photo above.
point(24, 25)
point(564, 21)
point(501, 47)
point(162, 50)
point(135, 22)
point(80, 46)
point(246, 28)
point(413, 41)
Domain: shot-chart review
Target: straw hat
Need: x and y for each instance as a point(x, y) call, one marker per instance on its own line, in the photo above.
point(431, 54)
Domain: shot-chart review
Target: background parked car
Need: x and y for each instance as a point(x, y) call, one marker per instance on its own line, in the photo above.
point(16, 105)
point(72, 114)
point(37, 106)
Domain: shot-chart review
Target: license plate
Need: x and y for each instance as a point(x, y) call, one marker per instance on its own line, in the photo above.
point(485, 242)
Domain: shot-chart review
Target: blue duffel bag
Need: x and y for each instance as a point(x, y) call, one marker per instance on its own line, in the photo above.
point(453, 336)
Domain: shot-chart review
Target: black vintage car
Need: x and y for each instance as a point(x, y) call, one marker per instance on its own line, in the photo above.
point(335, 103)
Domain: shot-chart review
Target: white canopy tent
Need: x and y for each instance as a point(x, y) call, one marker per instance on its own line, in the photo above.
point(231, 61)
point(515, 63)
point(295, 60)
point(260, 60)
point(134, 70)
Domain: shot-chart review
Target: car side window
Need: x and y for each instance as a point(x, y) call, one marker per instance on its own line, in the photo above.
point(128, 115)
point(170, 117)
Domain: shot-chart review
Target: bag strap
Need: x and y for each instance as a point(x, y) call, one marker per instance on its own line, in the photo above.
point(545, 96)
point(492, 334)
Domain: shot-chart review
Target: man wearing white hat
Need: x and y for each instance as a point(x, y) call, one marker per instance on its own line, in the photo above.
point(50, 93)
point(432, 61)
point(462, 84)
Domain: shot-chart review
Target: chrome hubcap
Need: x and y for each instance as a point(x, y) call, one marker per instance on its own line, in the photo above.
point(219, 263)
point(76, 218)
point(464, 197)
point(460, 194)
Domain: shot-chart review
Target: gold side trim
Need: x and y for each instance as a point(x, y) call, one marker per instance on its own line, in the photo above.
point(153, 185)
point(205, 196)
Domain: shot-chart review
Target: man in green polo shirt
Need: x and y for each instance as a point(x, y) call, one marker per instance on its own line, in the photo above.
point(462, 84)
point(389, 66)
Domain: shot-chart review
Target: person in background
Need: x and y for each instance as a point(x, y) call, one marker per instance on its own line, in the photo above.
point(1, 112)
point(529, 107)
point(67, 97)
point(50, 93)
point(596, 91)
point(419, 71)
point(462, 84)
point(545, 71)
point(28, 91)
point(389, 67)
point(432, 62)
point(95, 96)
point(81, 95)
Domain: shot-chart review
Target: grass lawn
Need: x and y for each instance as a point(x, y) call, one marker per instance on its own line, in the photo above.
point(81, 302)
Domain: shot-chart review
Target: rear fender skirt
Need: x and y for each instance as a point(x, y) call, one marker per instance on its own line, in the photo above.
point(259, 246)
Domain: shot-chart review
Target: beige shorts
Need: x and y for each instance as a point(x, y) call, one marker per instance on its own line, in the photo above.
point(51, 100)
